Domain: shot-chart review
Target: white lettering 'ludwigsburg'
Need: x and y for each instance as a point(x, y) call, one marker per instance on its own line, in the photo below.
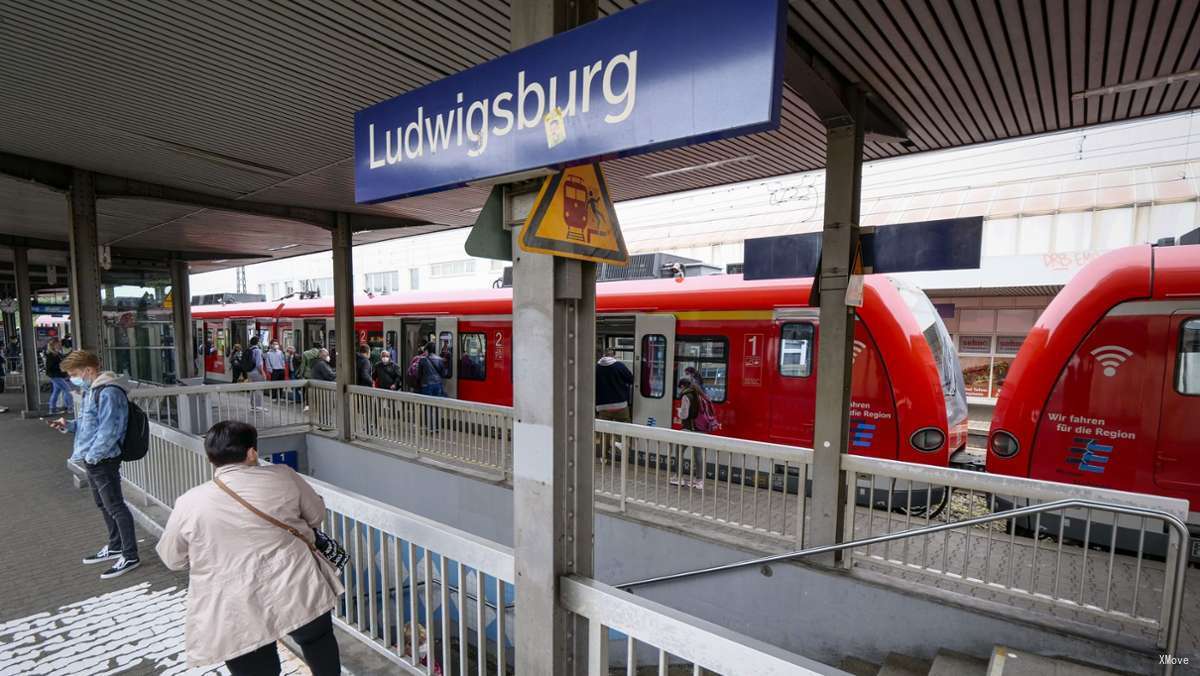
point(525, 107)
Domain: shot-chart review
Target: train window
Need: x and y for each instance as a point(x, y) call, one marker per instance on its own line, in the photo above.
point(795, 350)
point(473, 364)
point(1187, 376)
point(654, 366)
point(709, 356)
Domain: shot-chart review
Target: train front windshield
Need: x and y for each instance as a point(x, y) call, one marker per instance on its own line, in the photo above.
point(942, 347)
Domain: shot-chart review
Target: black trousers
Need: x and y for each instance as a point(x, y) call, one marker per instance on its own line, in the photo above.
point(105, 479)
point(316, 641)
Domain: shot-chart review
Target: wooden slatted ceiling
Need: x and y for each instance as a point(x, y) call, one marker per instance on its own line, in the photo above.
point(255, 99)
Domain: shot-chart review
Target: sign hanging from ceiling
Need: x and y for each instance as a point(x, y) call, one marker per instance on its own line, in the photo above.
point(574, 218)
point(662, 74)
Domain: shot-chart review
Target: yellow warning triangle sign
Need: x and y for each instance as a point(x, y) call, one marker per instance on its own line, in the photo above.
point(574, 218)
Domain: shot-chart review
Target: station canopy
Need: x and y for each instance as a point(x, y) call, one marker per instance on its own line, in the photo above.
point(254, 102)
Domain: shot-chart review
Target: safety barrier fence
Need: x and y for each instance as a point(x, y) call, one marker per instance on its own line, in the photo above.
point(1114, 568)
point(435, 599)
point(749, 485)
point(461, 431)
point(1089, 565)
point(648, 634)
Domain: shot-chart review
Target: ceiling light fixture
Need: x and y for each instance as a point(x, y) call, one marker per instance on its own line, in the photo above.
point(220, 260)
point(472, 210)
point(702, 167)
point(285, 246)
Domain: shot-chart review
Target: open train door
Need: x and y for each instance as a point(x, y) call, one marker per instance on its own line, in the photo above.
point(654, 355)
point(447, 339)
point(1177, 464)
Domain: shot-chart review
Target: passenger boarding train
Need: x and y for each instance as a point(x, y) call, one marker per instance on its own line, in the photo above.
point(753, 342)
point(1105, 391)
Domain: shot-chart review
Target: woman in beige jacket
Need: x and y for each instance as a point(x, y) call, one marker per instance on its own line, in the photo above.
point(251, 581)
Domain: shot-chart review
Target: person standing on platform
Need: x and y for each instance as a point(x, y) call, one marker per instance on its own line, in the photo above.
point(309, 358)
point(387, 373)
point(247, 537)
point(235, 363)
point(98, 431)
point(255, 372)
point(613, 387)
point(689, 409)
point(363, 372)
point(321, 370)
point(432, 369)
point(59, 383)
point(275, 364)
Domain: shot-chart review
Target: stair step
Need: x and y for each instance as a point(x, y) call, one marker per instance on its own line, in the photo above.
point(1009, 662)
point(897, 664)
point(951, 663)
point(858, 667)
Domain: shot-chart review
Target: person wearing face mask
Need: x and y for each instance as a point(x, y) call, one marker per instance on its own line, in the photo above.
point(276, 362)
point(321, 370)
point(387, 374)
point(98, 431)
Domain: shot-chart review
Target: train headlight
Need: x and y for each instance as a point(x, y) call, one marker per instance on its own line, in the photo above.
point(928, 439)
point(1004, 444)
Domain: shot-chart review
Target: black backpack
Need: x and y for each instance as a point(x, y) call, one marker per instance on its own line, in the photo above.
point(247, 363)
point(136, 441)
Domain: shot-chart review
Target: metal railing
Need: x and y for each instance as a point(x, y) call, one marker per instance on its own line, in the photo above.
point(322, 402)
point(420, 593)
point(1096, 566)
point(749, 485)
point(1172, 593)
point(654, 634)
point(436, 599)
point(1101, 560)
point(461, 431)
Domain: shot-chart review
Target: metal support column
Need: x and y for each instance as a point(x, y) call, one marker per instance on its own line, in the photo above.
point(343, 318)
point(86, 326)
point(554, 325)
point(181, 314)
point(29, 365)
point(843, 188)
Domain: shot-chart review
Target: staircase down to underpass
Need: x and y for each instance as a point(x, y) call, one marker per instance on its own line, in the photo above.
point(1004, 662)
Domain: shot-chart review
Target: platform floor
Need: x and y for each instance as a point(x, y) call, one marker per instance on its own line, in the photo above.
point(56, 615)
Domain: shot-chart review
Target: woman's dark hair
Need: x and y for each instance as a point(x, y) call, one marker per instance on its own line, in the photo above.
point(431, 347)
point(684, 382)
point(227, 442)
point(253, 341)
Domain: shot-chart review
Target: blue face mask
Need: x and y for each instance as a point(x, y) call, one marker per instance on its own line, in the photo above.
point(77, 381)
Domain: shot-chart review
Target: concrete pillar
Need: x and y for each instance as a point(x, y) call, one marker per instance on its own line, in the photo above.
point(343, 318)
point(29, 365)
point(554, 323)
point(86, 323)
point(843, 190)
point(181, 315)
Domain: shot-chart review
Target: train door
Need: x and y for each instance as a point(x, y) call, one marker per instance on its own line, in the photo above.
point(447, 338)
point(414, 333)
point(654, 353)
point(216, 350)
point(1178, 461)
point(792, 356)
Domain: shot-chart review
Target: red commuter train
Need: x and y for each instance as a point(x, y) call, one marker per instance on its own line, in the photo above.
point(754, 343)
point(1105, 390)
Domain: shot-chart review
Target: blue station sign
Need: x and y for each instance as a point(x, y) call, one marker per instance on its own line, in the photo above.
point(658, 75)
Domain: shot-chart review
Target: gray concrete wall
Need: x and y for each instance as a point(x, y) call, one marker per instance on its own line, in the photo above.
point(817, 613)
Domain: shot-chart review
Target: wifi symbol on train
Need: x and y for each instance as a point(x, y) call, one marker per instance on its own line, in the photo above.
point(1110, 357)
point(859, 346)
